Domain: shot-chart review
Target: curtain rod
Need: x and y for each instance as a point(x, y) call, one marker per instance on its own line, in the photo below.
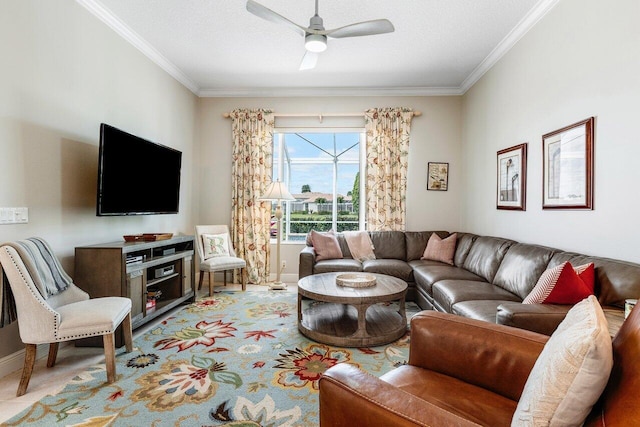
point(320, 115)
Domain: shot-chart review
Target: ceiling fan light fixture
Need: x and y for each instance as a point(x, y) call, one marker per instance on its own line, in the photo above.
point(315, 42)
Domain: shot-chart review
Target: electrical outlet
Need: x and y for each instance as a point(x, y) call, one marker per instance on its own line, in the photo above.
point(284, 264)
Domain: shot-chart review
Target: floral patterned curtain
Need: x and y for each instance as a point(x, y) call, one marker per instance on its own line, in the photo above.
point(387, 132)
point(251, 172)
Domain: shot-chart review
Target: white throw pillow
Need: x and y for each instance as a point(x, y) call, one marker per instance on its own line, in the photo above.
point(215, 245)
point(571, 372)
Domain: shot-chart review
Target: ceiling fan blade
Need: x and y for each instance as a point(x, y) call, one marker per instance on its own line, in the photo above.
point(309, 60)
point(268, 14)
point(367, 28)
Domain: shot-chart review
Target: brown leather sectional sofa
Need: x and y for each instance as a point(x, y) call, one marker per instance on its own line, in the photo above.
point(489, 279)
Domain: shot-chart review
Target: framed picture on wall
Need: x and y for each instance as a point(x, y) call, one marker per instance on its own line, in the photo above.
point(567, 162)
point(438, 176)
point(512, 178)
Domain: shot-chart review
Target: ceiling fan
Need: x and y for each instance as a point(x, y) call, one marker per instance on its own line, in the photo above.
point(315, 36)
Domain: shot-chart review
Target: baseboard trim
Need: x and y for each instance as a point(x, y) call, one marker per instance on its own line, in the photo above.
point(15, 361)
point(286, 278)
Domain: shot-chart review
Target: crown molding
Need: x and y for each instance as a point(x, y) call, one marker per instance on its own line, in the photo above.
point(273, 92)
point(525, 24)
point(105, 15)
point(96, 8)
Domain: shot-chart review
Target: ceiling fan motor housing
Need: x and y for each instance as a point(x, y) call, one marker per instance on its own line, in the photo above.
point(315, 42)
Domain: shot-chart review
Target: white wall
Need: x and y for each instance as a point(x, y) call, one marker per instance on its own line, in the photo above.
point(435, 136)
point(582, 59)
point(63, 73)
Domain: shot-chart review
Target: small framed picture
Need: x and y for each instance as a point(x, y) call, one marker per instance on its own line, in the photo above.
point(438, 176)
point(567, 167)
point(512, 178)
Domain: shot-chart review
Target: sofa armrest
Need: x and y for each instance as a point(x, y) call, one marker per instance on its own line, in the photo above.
point(495, 357)
point(307, 261)
point(350, 397)
point(540, 318)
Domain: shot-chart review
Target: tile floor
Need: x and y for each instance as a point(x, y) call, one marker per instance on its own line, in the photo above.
point(72, 361)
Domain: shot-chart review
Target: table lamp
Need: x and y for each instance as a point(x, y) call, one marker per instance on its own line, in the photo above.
point(277, 192)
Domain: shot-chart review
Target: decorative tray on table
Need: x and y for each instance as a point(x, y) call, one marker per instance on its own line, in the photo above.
point(356, 280)
point(147, 237)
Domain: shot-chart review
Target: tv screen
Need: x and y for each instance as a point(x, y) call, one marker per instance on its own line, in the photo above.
point(136, 176)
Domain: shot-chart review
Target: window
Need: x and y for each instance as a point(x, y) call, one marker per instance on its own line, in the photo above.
point(322, 170)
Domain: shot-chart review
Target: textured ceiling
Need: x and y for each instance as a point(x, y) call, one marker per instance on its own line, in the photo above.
point(217, 48)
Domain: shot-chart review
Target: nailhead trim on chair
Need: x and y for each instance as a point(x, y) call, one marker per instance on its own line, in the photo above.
point(58, 338)
point(38, 296)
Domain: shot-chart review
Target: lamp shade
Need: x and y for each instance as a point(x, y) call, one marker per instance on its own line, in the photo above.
point(277, 191)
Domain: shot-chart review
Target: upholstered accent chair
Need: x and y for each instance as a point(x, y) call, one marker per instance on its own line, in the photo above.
point(466, 372)
point(65, 316)
point(216, 253)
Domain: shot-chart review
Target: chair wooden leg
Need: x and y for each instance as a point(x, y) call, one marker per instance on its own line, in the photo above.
point(110, 356)
point(210, 284)
point(53, 354)
point(225, 277)
point(128, 334)
point(243, 278)
point(29, 361)
point(200, 281)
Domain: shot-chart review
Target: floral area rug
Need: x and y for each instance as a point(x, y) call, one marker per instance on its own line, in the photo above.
point(235, 359)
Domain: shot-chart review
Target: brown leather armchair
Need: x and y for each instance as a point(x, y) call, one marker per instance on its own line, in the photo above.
point(464, 372)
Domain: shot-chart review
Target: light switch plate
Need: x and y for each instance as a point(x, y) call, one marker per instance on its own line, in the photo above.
point(14, 215)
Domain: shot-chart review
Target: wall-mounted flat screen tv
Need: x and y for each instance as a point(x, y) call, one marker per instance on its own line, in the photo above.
point(136, 176)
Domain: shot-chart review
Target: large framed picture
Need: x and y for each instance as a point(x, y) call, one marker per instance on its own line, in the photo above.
point(512, 178)
point(438, 176)
point(567, 161)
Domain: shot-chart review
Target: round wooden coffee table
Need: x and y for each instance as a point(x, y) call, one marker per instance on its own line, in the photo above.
point(352, 317)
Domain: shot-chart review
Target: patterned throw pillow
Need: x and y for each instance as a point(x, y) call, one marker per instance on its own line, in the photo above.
point(558, 285)
point(571, 371)
point(326, 245)
point(215, 245)
point(439, 249)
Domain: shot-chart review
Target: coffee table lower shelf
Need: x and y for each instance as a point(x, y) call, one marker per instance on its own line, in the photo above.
point(339, 325)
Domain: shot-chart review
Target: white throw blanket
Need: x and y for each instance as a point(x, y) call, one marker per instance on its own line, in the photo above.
point(360, 245)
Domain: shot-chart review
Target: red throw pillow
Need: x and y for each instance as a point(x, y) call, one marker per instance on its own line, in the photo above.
point(439, 249)
point(558, 285)
point(587, 272)
point(326, 246)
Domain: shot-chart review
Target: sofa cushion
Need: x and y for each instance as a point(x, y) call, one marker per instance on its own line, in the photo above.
point(427, 272)
point(541, 318)
point(485, 256)
point(468, 401)
point(448, 292)
point(389, 244)
point(571, 372)
point(333, 265)
point(390, 267)
point(416, 242)
point(439, 249)
point(521, 268)
point(558, 285)
point(326, 245)
point(463, 246)
point(478, 309)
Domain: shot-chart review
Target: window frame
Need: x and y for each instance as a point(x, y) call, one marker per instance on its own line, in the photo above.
point(277, 146)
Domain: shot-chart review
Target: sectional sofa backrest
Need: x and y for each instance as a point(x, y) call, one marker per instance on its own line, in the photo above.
point(513, 266)
point(520, 265)
point(521, 268)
